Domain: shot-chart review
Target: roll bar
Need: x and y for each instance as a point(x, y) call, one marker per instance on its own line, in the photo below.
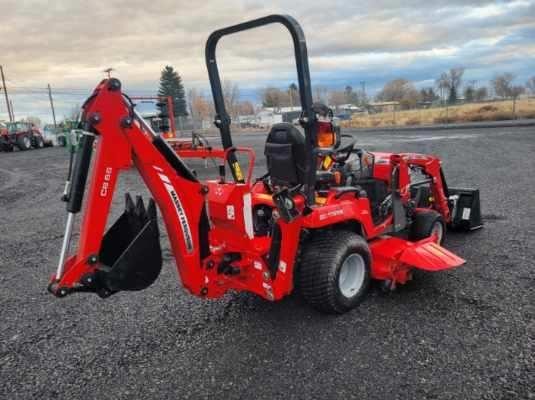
point(222, 119)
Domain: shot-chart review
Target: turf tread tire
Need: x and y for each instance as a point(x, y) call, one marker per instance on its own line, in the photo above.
point(320, 264)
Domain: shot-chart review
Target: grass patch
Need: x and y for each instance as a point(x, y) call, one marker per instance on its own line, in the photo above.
point(474, 112)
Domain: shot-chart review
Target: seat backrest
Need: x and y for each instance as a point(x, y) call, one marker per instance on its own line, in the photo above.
point(285, 155)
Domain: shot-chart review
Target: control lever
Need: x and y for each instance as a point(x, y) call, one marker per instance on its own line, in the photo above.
point(285, 205)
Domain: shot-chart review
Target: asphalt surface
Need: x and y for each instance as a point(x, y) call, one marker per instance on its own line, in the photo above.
point(467, 333)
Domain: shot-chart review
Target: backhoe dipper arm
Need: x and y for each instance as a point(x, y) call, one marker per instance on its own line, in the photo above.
point(128, 256)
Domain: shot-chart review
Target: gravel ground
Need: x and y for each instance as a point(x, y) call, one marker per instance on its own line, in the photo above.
point(468, 333)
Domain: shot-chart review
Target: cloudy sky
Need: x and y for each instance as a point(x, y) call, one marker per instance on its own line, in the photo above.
point(68, 43)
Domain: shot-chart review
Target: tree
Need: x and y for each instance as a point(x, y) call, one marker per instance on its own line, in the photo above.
point(400, 90)
point(320, 94)
point(449, 83)
point(530, 85)
point(74, 113)
point(200, 108)
point(351, 97)
point(274, 97)
point(515, 92)
point(33, 120)
point(428, 95)
point(293, 95)
point(502, 85)
point(171, 85)
point(442, 85)
point(231, 95)
point(469, 93)
point(481, 94)
point(337, 98)
point(245, 108)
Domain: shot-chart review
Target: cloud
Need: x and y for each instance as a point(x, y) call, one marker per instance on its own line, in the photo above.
point(68, 43)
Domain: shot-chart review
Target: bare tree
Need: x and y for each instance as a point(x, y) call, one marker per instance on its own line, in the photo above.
point(530, 85)
point(33, 120)
point(515, 92)
point(231, 95)
point(200, 108)
point(449, 83)
point(74, 113)
point(245, 108)
point(481, 94)
point(428, 94)
point(274, 97)
point(502, 85)
point(320, 93)
point(400, 90)
point(337, 98)
point(442, 84)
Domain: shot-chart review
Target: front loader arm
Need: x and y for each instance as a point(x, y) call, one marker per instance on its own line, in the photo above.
point(131, 245)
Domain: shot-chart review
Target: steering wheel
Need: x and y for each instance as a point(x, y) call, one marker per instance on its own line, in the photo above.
point(342, 153)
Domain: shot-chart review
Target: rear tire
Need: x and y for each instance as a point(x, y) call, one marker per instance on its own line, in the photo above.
point(427, 223)
point(24, 142)
point(334, 271)
point(8, 148)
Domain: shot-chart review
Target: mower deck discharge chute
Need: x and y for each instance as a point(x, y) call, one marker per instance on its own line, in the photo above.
point(327, 216)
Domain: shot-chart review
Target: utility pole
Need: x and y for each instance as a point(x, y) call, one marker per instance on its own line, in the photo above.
point(8, 104)
point(52, 107)
point(11, 110)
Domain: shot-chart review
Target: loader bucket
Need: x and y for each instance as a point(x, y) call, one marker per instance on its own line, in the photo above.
point(130, 256)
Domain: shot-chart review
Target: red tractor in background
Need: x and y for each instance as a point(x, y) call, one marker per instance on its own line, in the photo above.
point(23, 135)
point(162, 122)
point(325, 218)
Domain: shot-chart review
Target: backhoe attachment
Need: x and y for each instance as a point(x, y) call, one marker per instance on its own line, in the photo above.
point(128, 256)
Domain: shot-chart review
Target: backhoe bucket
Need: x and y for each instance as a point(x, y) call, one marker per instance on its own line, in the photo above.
point(130, 256)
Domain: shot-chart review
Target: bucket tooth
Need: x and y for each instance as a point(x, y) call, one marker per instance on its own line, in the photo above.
point(151, 209)
point(129, 203)
point(140, 208)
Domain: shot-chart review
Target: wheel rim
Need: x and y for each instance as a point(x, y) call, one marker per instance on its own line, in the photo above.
point(27, 142)
point(438, 231)
point(351, 275)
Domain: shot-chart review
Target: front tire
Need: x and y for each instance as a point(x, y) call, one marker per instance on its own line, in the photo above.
point(427, 223)
point(334, 272)
point(39, 142)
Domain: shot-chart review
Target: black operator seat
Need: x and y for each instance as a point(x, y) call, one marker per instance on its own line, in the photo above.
point(285, 153)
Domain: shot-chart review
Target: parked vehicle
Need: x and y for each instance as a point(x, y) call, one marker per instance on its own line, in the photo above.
point(326, 217)
point(23, 135)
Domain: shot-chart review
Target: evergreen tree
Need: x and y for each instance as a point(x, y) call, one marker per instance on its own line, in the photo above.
point(171, 85)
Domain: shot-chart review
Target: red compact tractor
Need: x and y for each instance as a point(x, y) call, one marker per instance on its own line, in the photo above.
point(23, 135)
point(325, 218)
